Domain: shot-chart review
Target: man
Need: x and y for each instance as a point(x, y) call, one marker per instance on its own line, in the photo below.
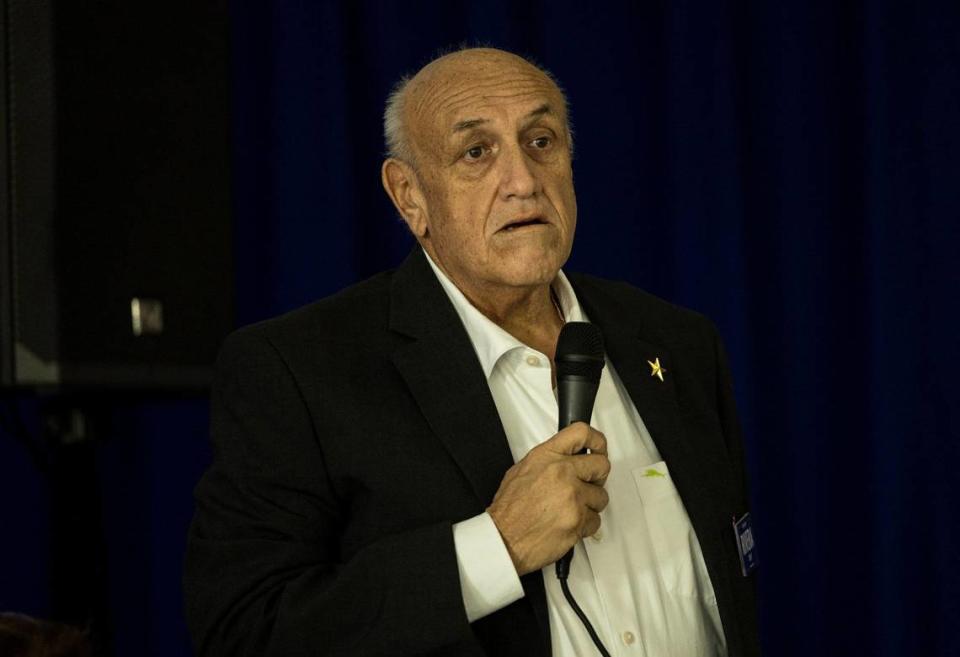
point(388, 478)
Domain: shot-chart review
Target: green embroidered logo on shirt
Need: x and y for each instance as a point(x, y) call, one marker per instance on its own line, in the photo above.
point(653, 473)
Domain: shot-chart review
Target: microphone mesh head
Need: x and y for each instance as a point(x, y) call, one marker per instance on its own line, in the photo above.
point(579, 350)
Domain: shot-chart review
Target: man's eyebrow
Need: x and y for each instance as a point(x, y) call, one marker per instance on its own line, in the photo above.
point(540, 111)
point(460, 126)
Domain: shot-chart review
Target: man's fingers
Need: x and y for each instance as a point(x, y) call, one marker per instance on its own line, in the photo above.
point(592, 468)
point(591, 524)
point(594, 497)
point(577, 437)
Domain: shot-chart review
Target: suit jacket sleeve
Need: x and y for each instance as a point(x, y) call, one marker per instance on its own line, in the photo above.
point(264, 574)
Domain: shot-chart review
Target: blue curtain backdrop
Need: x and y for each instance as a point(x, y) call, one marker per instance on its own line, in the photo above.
point(791, 169)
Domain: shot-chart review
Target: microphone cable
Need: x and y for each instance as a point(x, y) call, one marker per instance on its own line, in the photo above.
point(563, 570)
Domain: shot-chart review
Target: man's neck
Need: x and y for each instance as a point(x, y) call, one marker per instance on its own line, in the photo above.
point(528, 313)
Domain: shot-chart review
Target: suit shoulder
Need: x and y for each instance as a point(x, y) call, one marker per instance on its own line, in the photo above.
point(355, 314)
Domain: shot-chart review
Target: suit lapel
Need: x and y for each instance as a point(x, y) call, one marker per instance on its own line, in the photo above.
point(656, 402)
point(443, 374)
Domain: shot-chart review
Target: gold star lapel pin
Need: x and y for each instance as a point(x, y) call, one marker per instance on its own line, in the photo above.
point(656, 369)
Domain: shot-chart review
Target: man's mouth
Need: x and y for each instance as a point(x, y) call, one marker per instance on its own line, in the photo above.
point(523, 223)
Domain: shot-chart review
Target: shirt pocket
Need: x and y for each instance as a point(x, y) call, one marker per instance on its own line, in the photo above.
point(672, 541)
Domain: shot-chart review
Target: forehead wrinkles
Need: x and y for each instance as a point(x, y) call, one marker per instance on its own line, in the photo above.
point(489, 93)
point(457, 89)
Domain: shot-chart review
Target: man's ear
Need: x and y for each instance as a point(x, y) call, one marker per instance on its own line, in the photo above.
point(401, 184)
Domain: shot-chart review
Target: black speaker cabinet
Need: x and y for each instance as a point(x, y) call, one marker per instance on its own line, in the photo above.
point(115, 266)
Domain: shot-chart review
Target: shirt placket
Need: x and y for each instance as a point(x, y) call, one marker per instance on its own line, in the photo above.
point(604, 552)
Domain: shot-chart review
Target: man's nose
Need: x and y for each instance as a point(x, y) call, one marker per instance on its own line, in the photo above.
point(518, 178)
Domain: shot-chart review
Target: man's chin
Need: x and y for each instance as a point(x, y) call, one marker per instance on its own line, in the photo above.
point(532, 272)
point(534, 263)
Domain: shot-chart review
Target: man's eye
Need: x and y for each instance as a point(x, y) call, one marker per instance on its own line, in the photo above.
point(474, 153)
point(540, 142)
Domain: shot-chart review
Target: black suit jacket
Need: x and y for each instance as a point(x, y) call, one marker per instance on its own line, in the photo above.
point(351, 434)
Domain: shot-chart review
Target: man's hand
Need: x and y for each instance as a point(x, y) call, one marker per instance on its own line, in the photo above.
point(552, 497)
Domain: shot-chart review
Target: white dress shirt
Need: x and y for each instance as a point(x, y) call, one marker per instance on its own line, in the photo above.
point(641, 579)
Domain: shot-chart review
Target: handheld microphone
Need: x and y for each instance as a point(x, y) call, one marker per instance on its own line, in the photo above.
point(579, 360)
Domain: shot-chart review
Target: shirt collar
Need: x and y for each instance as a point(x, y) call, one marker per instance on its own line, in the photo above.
point(489, 340)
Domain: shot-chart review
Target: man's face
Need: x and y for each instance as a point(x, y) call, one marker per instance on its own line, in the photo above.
point(493, 158)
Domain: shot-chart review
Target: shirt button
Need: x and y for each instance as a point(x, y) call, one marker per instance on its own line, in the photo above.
point(533, 361)
point(628, 638)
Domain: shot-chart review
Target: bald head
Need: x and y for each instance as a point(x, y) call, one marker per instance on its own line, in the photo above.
point(415, 103)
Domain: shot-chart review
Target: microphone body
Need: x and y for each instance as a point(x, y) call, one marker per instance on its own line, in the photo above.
point(575, 397)
point(579, 359)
